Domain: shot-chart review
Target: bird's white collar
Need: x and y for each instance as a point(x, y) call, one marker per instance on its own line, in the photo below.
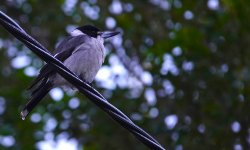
point(77, 32)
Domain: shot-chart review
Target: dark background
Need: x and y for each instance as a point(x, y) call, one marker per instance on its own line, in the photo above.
point(180, 70)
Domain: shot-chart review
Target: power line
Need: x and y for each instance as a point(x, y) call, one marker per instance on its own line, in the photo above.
point(93, 95)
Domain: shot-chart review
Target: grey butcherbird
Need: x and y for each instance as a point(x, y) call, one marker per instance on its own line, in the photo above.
point(82, 52)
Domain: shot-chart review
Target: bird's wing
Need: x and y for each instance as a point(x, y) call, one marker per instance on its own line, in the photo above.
point(62, 52)
point(42, 85)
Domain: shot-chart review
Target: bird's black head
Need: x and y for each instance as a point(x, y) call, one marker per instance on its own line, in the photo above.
point(89, 30)
point(94, 32)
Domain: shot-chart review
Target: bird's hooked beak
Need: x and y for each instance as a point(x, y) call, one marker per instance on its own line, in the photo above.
point(107, 34)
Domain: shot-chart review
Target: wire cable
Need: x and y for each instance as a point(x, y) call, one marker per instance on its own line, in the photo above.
point(93, 95)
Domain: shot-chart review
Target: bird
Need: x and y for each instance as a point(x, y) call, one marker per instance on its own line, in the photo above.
point(82, 52)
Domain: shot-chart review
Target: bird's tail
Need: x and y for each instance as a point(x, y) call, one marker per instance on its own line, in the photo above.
point(37, 95)
point(43, 75)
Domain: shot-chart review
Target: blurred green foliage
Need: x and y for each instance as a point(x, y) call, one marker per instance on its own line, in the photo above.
point(196, 52)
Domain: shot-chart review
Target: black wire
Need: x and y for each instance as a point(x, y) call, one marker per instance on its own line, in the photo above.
point(11, 26)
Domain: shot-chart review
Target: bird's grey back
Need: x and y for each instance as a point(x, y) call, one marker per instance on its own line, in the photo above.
point(70, 43)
